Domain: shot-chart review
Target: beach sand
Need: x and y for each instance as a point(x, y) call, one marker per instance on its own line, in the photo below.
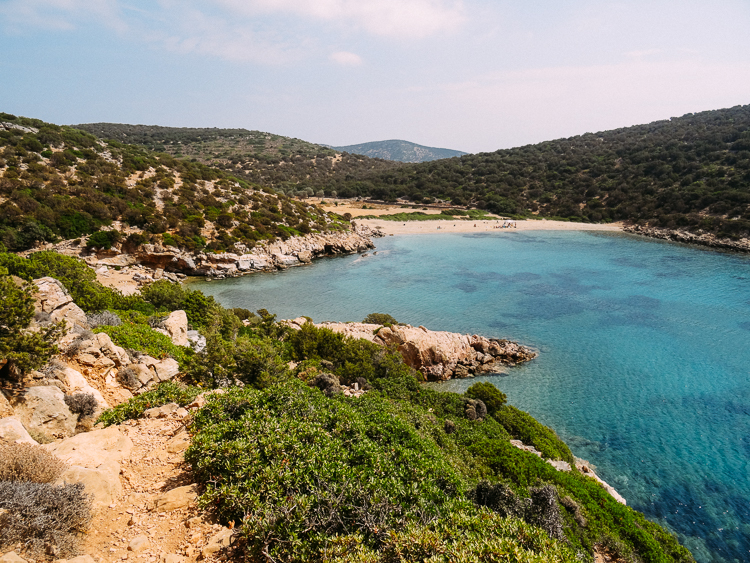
point(460, 226)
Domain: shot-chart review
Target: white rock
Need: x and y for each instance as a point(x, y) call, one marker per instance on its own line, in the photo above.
point(92, 449)
point(13, 432)
point(176, 325)
point(43, 409)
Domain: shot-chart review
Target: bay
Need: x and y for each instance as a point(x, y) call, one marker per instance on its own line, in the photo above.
point(644, 365)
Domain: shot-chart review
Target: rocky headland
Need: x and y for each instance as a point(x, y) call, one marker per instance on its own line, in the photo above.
point(702, 239)
point(437, 355)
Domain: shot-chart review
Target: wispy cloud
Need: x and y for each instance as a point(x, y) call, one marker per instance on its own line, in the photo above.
point(18, 15)
point(404, 18)
point(345, 58)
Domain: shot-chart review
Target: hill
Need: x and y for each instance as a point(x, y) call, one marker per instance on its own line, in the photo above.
point(402, 151)
point(691, 172)
point(287, 165)
point(61, 182)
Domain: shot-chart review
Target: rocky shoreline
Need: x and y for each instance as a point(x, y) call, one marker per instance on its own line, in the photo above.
point(702, 239)
point(150, 262)
point(437, 355)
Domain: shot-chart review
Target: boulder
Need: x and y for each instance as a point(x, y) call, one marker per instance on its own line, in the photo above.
point(92, 449)
point(166, 369)
point(102, 483)
point(13, 432)
point(305, 256)
point(76, 383)
point(181, 497)
point(197, 340)
point(52, 298)
point(12, 557)
point(138, 544)
point(42, 409)
point(176, 325)
point(163, 411)
point(218, 541)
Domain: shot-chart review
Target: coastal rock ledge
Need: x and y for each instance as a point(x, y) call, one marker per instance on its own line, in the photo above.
point(438, 355)
point(702, 239)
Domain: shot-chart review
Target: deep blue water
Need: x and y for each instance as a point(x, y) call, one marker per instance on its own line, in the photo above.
point(644, 366)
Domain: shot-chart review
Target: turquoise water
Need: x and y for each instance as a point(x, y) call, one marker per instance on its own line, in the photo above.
point(644, 367)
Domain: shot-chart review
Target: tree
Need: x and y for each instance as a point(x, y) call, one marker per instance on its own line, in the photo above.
point(24, 349)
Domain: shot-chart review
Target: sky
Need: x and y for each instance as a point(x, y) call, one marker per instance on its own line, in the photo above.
point(471, 75)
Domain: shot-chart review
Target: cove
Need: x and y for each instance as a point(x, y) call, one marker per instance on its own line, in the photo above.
point(644, 365)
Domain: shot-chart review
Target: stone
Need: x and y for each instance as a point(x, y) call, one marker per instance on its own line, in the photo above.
point(13, 432)
point(52, 298)
point(92, 449)
point(12, 557)
point(181, 497)
point(5, 408)
point(174, 558)
point(305, 256)
point(178, 443)
point(75, 382)
point(163, 411)
point(42, 409)
point(102, 483)
point(82, 559)
point(138, 544)
point(166, 369)
point(197, 340)
point(176, 325)
point(218, 541)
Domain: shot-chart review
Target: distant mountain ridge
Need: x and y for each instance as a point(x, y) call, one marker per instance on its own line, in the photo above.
point(400, 151)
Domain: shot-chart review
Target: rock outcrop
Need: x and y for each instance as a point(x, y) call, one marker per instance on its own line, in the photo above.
point(13, 432)
point(42, 409)
point(294, 251)
point(438, 355)
point(54, 300)
point(702, 239)
point(176, 327)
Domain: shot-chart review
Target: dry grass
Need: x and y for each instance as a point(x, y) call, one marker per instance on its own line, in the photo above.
point(29, 463)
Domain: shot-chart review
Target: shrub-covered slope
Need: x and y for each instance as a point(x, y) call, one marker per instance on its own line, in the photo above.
point(59, 182)
point(287, 165)
point(692, 171)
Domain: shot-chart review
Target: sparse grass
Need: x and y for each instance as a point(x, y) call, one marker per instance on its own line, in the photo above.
point(29, 463)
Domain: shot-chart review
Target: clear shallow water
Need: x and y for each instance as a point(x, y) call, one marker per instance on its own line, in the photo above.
point(644, 365)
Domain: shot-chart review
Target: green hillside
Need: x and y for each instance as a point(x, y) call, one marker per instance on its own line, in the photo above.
point(60, 182)
point(287, 165)
point(401, 151)
point(688, 172)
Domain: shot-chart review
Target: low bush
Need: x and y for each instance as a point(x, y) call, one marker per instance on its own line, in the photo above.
point(104, 318)
point(163, 393)
point(380, 319)
point(143, 338)
point(46, 519)
point(83, 404)
point(491, 396)
point(29, 463)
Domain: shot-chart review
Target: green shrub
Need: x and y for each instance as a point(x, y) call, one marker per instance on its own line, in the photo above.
point(380, 319)
point(522, 426)
point(296, 468)
point(164, 393)
point(142, 338)
point(103, 239)
point(491, 396)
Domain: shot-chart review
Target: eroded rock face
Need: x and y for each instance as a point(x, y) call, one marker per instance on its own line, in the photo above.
point(438, 355)
point(42, 409)
point(53, 299)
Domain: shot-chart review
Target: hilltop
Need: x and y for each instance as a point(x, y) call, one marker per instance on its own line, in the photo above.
point(59, 182)
point(690, 172)
point(287, 165)
point(402, 151)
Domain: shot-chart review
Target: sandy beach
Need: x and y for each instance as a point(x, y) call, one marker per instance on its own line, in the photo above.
point(460, 226)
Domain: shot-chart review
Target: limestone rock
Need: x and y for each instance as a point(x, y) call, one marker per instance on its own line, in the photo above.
point(81, 559)
point(52, 298)
point(92, 449)
point(305, 256)
point(163, 411)
point(178, 443)
point(103, 483)
point(176, 325)
point(12, 557)
point(42, 409)
point(174, 558)
point(197, 340)
point(75, 382)
point(219, 541)
point(181, 497)
point(13, 432)
point(166, 369)
point(138, 544)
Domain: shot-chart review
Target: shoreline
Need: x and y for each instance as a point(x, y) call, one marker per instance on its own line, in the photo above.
point(485, 226)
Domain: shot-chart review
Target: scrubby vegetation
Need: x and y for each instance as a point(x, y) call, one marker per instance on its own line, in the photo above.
point(46, 519)
point(60, 182)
